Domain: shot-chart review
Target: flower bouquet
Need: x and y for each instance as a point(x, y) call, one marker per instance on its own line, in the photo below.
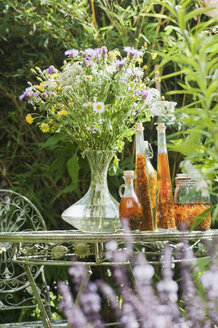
point(95, 100)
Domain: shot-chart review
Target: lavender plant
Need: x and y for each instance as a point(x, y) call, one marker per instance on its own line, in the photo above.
point(144, 305)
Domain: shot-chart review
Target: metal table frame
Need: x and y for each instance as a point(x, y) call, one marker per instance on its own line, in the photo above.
point(56, 248)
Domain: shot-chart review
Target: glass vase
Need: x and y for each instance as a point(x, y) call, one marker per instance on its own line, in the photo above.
point(97, 211)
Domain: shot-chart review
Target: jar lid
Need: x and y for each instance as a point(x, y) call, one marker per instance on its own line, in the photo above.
point(139, 127)
point(182, 176)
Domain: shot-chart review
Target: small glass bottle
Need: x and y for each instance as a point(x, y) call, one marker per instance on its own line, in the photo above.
point(152, 178)
point(188, 205)
point(130, 208)
point(165, 209)
point(142, 183)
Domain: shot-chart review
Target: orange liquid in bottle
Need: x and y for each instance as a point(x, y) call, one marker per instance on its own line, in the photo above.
point(165, 210)
point(131, 210)
point(142, 192)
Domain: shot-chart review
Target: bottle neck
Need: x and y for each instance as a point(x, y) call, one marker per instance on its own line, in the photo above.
point(139, 142)
point(129, 191)
point(161, 140)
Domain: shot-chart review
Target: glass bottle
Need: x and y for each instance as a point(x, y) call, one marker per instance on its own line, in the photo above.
point(142, 183)
point(152, 176)
point(189, 203)
point(130, 208)
point(165, 209)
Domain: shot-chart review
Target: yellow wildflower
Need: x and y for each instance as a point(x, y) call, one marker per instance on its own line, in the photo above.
point(131, 84)
point(71, 98)
point(32, 70)
point(44, 127)
point(50, 121)
point(53, 109)
point(111, 55)
point(60, 88)
point(133, 96)
point(145, 44)
point(138, 60)
point(42, 86)
point(89, 77)
point(36, 67)
point(59, 104)
point(159, 79)
point(62, 112)
point(54, 75)
point(29, 119)
point(145, 66)
point(163, 98)
point(38, 78)
point(116, 52)
point(157, 72)
point(154, 55)
point(139, 86)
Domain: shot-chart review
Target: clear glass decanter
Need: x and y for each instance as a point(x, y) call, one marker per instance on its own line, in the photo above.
point(97, 211)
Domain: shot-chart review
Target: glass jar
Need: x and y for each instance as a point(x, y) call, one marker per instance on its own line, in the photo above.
point(189, 203)
point(130, 208)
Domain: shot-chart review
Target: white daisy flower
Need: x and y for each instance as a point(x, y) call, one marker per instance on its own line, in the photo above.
point(98, 107)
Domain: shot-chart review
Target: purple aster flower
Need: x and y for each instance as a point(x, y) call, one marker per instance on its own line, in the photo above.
point(123, 79)
point(72, 53)
point(91, 52)
point(51, 69)
point(27, 93)
point(87, 61)
point(120, 63)
point(36, 94)
point(137, 92)
point(144, 94)
point(133, 52)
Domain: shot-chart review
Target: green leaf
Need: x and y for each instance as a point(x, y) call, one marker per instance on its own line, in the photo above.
point(73, 168)
point(200, 218)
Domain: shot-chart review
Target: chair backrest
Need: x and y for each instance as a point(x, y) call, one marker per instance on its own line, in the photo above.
point(17, 213)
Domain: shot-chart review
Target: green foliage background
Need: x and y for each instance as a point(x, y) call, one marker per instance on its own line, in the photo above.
point(47, 169)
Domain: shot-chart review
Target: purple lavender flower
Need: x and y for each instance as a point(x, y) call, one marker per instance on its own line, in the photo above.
point(27, 93)
point(133, 52)
point(72, 53)
point(104, 52)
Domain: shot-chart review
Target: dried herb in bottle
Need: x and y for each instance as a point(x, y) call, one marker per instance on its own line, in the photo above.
point(165, 209)
point(142, 181)
point(195, 204)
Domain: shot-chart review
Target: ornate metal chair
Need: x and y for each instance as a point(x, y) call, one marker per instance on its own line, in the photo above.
point(17, 213)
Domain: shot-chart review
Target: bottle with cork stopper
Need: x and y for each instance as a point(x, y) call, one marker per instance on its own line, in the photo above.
point(165, 210)
point(142, 182)
point(130, 208)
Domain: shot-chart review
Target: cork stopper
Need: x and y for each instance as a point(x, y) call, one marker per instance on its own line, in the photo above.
point(128, 176)
point(161, 127)
point(139, 127)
